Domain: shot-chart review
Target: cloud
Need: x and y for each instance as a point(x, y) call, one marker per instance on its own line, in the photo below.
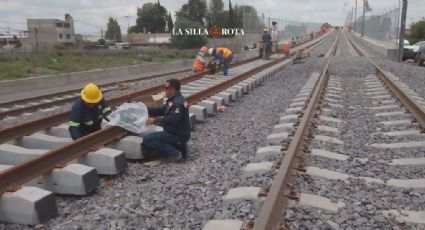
point(91, 16)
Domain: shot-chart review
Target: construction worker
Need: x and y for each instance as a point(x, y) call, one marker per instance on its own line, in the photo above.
point(200, 62)
point(267, 40)
point(87, 112)
point(224, 56)
point(174, 118)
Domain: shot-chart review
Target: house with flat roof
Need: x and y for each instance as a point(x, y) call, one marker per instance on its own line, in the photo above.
point(45, 34)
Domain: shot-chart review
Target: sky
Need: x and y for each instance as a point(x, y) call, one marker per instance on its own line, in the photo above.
point(90, 16)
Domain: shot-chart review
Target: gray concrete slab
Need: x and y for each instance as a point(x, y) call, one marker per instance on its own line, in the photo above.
point(28, 206)
point(130, 145)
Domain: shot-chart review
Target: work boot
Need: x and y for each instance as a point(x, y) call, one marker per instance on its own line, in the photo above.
point(173, 158)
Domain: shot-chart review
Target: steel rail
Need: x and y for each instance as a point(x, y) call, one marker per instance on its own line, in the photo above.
point(272, 211)
point(26, 108)
point(14, 177)
point(30, 127)
point(408, 102)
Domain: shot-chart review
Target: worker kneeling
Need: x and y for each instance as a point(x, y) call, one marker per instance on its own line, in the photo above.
point(87, 112)
point(224, 56)
point(171, 142)
point(200, 61)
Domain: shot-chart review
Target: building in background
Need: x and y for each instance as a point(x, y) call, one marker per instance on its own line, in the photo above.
point(46, 34)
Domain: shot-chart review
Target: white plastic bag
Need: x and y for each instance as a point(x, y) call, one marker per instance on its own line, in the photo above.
point(130, 116)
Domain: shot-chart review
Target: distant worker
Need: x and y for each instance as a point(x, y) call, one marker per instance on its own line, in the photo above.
point(200, 62)
point(87, 112)
point(267, 40)
point(224, 56)
point(174, 118)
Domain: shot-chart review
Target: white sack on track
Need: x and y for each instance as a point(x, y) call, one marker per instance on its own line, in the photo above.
point(130, 116)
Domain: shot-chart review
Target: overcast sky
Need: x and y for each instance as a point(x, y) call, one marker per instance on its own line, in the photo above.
point(91, 15)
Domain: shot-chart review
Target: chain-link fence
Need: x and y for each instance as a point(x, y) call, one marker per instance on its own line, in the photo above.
point(383, 27)
point(280, 29)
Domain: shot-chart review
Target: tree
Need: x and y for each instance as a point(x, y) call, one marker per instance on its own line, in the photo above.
point(194, 10)
point(231, 19)
point(187, 41)
point(417, 31)
point(250, 15)
point(170, 22)
point(215, 12)
point(113, 31)
point(151, 16)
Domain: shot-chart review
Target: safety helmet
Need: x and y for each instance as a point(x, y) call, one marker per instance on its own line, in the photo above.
point(204, 49)
point(211, 51)
point(265, 30)
point(91, 93)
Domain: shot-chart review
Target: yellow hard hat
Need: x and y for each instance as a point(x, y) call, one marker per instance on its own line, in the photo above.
point(204, 49)
point(265, 30)
point(91, 93)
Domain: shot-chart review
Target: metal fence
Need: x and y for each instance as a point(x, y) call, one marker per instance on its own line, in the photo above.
point(381, 27)
point(284, 30)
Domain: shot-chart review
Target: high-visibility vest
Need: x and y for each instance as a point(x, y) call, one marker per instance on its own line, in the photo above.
point(199, 64)
point(226, 52)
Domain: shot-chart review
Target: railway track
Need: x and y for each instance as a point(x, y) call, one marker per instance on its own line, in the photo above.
point(40, 153)
point(348, 154)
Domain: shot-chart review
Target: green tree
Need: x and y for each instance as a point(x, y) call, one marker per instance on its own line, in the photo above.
point(250, 13)
point(151, 16)
point(113, 31)
point(215, 10)
point(187, 41)
point(417, 31)
point(170, 22)
point(231, 20)
point(194, 10)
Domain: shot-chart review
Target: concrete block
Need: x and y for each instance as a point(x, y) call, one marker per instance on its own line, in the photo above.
point(385, 107)
point(12, 154)
point(381, 97)
point(389, 114)
point(252, 169)
point(300, 99)
point(330, 119)
point(406, 216)
point(199, 111)
point(331, 140)
point(319, 202)
point(329, 155)
point(265, 153)
point(399, 145)
point(232, 92)
point(58, 131)
point(239, 91)
point(403, 133)
point(106, 161)
point(192, 119)
point(73, 179)
point(151, 129)
point(286, 127)
point(294, 110)
point(406, 183)
point(223, 225)
point(210, 105)
point(218, 100)
point(277, 138)
point(43, 141)
point(28, 206)
point(241, 194)
point(130, 145)
point(396, 122)
point(245, 87)
point(288, 118)
point(226, 96)
point(326, 174)
point(329, 129)
point(408, 161)
point(298, 104)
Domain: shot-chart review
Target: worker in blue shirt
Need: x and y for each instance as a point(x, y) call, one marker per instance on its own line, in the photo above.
point(87, 112)
point(173, 116)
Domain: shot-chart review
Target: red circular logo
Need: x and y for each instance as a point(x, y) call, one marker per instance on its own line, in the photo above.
point(215, 31)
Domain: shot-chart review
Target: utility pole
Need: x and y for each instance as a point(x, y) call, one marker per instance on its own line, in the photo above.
point(364, 11)
point(355, 18)
point(128, 23)
point(402, 30)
